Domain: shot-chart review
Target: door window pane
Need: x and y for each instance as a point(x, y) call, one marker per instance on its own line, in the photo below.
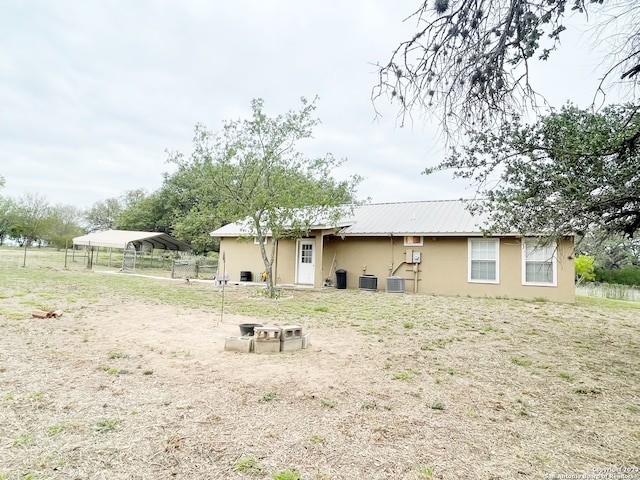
point(306, 253)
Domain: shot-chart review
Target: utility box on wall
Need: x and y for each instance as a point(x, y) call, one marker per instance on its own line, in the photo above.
point(412, 256)
point(409, 256)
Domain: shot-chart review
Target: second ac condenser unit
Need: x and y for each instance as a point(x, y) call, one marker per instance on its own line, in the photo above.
point(395, 284)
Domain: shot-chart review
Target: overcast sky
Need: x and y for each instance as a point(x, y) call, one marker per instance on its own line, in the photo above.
point(93, 92)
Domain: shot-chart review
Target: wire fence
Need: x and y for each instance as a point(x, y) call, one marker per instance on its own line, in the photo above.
point(608, 290)
point(196, 267)
point(156, 262)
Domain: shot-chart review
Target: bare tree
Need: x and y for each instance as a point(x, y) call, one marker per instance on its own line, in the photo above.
point(468, 62)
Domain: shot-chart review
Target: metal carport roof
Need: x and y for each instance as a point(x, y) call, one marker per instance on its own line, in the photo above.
point(123, 238)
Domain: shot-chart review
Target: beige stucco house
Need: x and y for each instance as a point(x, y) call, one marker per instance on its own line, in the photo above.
point(428, 247)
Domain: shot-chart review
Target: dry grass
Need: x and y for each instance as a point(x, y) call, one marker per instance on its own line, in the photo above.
point(127, 385)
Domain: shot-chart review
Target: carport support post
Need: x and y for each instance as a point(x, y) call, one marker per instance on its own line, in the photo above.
point(89, 256)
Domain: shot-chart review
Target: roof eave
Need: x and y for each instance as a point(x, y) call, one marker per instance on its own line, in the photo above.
point(421, 234)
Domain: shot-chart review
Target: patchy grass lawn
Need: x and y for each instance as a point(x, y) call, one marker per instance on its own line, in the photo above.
point(133, 382)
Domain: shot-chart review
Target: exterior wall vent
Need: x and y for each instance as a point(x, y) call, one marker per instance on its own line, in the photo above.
point(395, 284)
point(368, 282)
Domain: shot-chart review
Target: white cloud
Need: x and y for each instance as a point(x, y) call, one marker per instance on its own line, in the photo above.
point(94, 92)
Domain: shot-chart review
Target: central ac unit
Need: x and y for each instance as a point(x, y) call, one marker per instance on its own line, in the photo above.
point(368, 282)
point(395, 284)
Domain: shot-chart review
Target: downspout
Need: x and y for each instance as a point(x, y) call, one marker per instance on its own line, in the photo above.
point(391, 264)
point(318, 278)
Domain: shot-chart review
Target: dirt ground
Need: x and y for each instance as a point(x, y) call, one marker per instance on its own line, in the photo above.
point(145, 390)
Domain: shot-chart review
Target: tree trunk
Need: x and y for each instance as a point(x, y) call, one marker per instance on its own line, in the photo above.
point(268, 265)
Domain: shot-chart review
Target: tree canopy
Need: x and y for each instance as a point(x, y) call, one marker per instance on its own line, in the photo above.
point(569, 171)
point(190, 203)
point(469, 60)
point(103, 214)
point(7, 210)
point(256, 173)
point(63, 225)
point(468, 64)
point(611, 252)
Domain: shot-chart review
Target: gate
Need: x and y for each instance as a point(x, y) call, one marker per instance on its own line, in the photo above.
point(129, 258)
point(195, 267)
point(184, 269)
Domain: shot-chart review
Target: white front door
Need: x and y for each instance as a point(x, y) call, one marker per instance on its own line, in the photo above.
point(306, 261)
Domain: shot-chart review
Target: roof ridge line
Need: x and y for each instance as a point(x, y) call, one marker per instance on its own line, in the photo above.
point(418, 201)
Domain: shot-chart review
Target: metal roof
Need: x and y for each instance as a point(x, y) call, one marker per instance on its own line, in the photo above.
point(236, 229)
point(123, 238)
point(434, 217)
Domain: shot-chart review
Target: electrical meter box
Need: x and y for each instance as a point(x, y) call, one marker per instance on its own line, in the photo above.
point(413, 257)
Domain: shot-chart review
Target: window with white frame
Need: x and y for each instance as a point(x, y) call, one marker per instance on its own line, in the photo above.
point(539, 263)
point(484, 260)
point(413, 241)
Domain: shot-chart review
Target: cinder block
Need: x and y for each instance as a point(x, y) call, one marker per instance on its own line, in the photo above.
point(268, 346)
point(291, 331)
point(239, 344)
point(291, 344)
point(306, 340)
point(267, 334)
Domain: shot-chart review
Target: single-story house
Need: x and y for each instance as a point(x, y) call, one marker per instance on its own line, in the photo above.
point(429, 247)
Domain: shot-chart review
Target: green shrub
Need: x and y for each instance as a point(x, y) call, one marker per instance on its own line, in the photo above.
point(584, 268)
point(619, 276)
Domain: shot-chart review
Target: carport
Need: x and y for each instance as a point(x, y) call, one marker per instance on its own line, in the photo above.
point(131, 242)
point(126, 239)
